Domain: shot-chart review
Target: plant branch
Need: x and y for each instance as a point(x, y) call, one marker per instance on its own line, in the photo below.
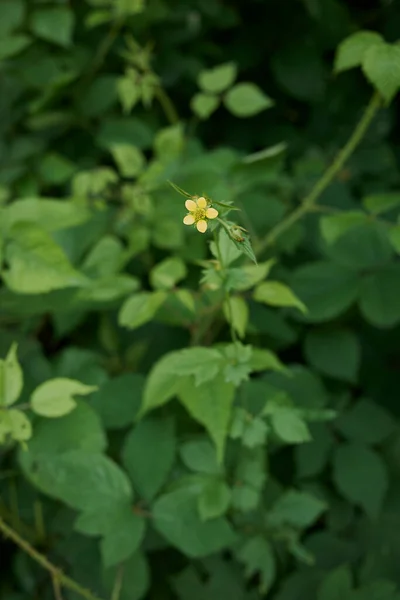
point(167, 105)
point(327, 177)
point(56, 573)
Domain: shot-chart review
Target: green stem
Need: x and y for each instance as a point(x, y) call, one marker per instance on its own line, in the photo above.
point(327, 177)
point(226, 293)
point(55, 572)
point(167, 106)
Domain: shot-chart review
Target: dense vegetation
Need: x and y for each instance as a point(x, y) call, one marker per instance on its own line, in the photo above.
point(208, 409)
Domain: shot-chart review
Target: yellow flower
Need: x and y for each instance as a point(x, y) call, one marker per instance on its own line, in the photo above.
point(199, 213)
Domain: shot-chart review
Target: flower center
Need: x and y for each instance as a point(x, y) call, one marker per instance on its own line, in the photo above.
point(199, 214)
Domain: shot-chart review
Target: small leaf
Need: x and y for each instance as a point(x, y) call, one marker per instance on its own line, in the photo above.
point(54, 398)
point(203, 105)
point(351, 51)
point(381, 65)
point(246, 100)
point(378, 296)
point(337, 585)
point(236, 313)
point(123, 540)
point(54, 24)
point(148, 454)
point(218, 79)
point(334, 226)
point(214, 499)
point(245, 277)
point(19, 425)
point(176, 518)
point(289, 425)
point(258, 558)
point(361, 477)
point(296, 508)
point(129, 159)
point(128, 93)
point(264, 360)
point(275, 293)
point(200, 456)
point(140, 308)
point(379, 203)
point(13, 45)
point(166, 274)
point(11, 378)
point(335, 353)
point(366, 422)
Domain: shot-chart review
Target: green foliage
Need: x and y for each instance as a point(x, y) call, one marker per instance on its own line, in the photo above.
point(201, 411)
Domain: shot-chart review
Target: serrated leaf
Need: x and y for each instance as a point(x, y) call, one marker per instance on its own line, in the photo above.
point(55, 397)
point(246, 100)
point(275, 293)
point(351, 51)
point(217, 79)
point(381, 65)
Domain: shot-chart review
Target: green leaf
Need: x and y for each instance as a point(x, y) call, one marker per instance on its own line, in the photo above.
point(13, 45)
point(366, 422)
point(217, 79)
point(118, 400)
point(210, 404)
point(378, 296)
point(36, 263)
point(140, 308)
point(337, 585)
point(289, 425)
point(362, 247)
point(54, 397)
point(176, 518)
point(83, 480)
point(351, 51)
point(361, 477)
point(335, 353)
point(394, 237)
point(296, 508)
point(135, 578)
point(255, 432)
point(227, 252)
point(246, 100)
point(275, 293)
point(380, 203)
point(129, 93)
point(123, 541)
point(12, 14)
point(381, 65)
point(258, 558)
point(214, 499)
point(11, 378)
point(149, 453)
point(236, 313)
point(203, 105)
point(15, 423)
point(245, 277)
point(129, 159)
point(166, 274)
point(54, 24)
point(169, 143)
point(334, 226)
point(263, 360)
point(200, 456)
point(325, 288)
point(312, 458)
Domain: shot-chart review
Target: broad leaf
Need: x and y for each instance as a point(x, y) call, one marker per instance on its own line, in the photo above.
point(11, 378)
point(140, 308)
point(217, 79)
point(351, 51)
point(275, 293)
point(381, 65)
point(55, 397)
point(246, 100)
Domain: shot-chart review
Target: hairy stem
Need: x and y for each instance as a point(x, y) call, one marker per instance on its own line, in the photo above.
point(56, 573)
point(327, 177)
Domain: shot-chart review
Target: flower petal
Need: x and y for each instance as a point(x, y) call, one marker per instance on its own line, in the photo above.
point(191, 205)
point(211, 213)
point(188, 220)
point(201, 226)
point(201, 202)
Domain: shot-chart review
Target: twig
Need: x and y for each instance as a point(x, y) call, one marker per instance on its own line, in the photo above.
point(42, 560)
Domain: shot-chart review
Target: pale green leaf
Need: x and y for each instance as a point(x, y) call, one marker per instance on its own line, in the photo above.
point(148, 454)
point(129, 159)
point(214, 499)
point(177, 519)
point(166, 274)
point(244, 278)
point(226, 251)
point(11, 378)
point(246, 100)
point(55, 397)
point(217, 79)
point(19, 426)
point(236, 313)
point(361, 477)
point(381, 65)
point(203, 105)
point(140, 308)
point(289, 425)
point(264, 360)
point(210, 404)
point(128, 93)
point(169, 143)
point(351, 51)
point(275, 293)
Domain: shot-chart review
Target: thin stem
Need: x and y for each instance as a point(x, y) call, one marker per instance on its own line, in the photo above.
point(116, 593)
point(226, 293)
point(327, 177)
point(167, 105)
point(55, 572)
